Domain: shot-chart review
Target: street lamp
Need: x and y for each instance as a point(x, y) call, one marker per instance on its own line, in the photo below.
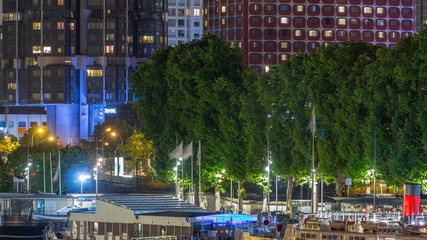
point(176, 178)
point(82, 178)
point(268, 185)
point(39, 130)
point(114, 134)
point(96, 169)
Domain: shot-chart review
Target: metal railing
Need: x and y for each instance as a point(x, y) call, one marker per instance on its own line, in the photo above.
point(167, 237)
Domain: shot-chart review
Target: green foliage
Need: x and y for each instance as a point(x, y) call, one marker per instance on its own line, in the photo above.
point(141, 151)
point(194, 92)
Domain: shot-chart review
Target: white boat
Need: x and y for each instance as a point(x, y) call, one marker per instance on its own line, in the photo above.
point(41, 217)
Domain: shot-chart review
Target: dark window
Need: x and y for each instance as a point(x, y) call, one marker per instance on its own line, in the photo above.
point(283, 7)
point(255, 32)
point(394, 23)
point(327, 9)
point(354, 21)
point(406, 23)
point(368, 22)
point(269, 32)
point(299, 20)
point(406, 11)
point(355, 34)
point(284, 32)
point(367, 34)
point(313, 20)
point(354, 9)
point(255, 19)
point(327, 21)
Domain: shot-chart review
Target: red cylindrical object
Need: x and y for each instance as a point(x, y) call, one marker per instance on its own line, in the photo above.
point(411, 199)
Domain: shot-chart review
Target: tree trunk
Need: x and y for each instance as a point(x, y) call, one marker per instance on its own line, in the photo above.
point(301, 192)
point(368, 188)
point(217, 199)
point(239, 193)
point(340, 184)
point(289, 195)
point(264, 201)
point(196, 195)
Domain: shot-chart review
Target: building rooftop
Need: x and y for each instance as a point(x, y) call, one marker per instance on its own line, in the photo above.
point(33, 196)
point(23, 110)
point(148, 204)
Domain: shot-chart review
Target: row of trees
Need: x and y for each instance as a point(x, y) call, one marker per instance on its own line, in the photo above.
point(79, 159)
point(369, 103)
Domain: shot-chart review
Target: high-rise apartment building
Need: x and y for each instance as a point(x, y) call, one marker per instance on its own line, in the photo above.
point(421, 14)
point(270, 31)
point(184, 21)
point(74, 56)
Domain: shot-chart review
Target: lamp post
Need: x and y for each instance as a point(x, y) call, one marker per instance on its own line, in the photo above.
point(39, 130)
point(102, 154)
point(114, 134)
point(176, 178)
point(82, 178)
point(268, 185)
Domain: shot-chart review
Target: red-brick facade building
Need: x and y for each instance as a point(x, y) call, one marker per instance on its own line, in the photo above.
point(270, 31)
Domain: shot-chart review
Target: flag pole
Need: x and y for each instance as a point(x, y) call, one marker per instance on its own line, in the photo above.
point(192, 179)
point(59, 163)
point(199, 161)
point(51, 180)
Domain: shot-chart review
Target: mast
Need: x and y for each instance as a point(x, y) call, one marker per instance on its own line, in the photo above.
point(313, 170)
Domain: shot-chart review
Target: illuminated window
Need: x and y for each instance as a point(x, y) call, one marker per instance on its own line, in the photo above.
point(394, 35)
point(11, 86)
point(223, 21)
point(341, 9)
point(47, 49)
point(109, 37)
point(71, 26)
point(239, 7)
point(284, 57)
point(60, 25)
point(367, 10)
point(270, 20)
point(94, 72)
point(59, 50)
point(37, 49)
point(224, 9)
point(270, 7)
point(327, 33)
point(205, 23)
point(342, 21)
point(109, 49)
point(381, 34)
point(381, 22)
point(60, 2)
point(284, 44)
point(284, 20)
point(380, 10)
point(37, 25)
point(197, 12)
point(313, 33)
point(255, 7)
point(255, 44)
point(298, 33)
point(146, 39)
point(205, 11)
point(300, 8)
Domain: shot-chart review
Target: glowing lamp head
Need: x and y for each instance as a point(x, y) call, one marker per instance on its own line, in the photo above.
point(40, 130)
point(83, 177)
